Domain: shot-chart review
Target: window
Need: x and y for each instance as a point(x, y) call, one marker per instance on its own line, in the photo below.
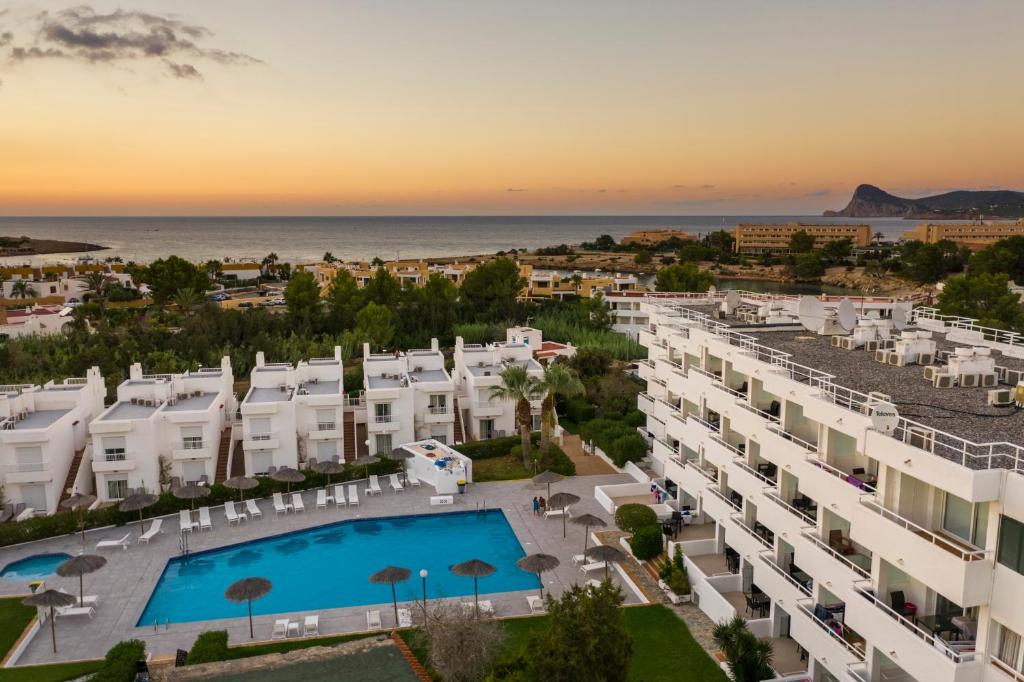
point(382, 412)
point(438, 403)
point(326, 450)
point(325, 420)
point(486, 429)
point(1011, 544)
point(34, 496)
point(193, 472)
point(29, 459)
point(261, 462)
point(259, 429)
point(113, 448)
point(117, 489)
point(192, 437)
point(1007, 647)
point(383, 443)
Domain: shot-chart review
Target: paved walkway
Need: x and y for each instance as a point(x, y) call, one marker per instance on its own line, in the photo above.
point(586, 464)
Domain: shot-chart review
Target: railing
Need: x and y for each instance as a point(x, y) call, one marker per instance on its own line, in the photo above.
point(738, 520)
point(261, 436)
point(438, 409)
point(944, 543)
point(115, 456)
point(837, 473)
point(773, 496)
point(1006, 669)
point(326, 426)
point(935, 642)
point(192, 444)
point(714, 428)
point(761, 413)
point(14, 388)
point(164, 377)
point(811, 534)
point(976, 456)
point(383, 419)
point(208, 370)
point(28, 467)
point(702, 471)
point(76, 381)
point(729, 446)
point(355, 401)
point(756, 474)
point(766, 557)
point(802, 605)
point(968, 324)
point(782, 433)
point(858, 670)
point(720, 495)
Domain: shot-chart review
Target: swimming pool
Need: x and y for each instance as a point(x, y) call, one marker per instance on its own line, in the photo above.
point(35, 566)
point(329, 566)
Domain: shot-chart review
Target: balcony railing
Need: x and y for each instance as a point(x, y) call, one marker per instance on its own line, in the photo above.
point(838, 473)
point(766, 557)
point(782, 433)
point(438, 409)
point(28, 467)
point(709, 474)
point(383, 418)
point(264, 435)
point(720, 495)
point(774, 497)
point(1006, 669)
point(945, 543)
point(192, 444)
point(729, 446)
point(738, 520)
point(714, 428)
point(114, 456)
point(326, 426)
point(756, 474)
point(811, 534)
point(804, 606)
point(761, 413)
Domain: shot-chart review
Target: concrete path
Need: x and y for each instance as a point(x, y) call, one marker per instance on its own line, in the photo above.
point(586, 464)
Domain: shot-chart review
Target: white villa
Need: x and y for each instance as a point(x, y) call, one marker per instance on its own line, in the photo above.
point(181, 422)
point(43, 432)
point(409, 397)
point(478, 368)
point(292, 414)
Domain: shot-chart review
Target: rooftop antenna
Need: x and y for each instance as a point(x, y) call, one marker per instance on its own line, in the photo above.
point(812, 313)
point(847, 315)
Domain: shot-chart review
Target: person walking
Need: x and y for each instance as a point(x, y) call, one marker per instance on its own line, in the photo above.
point(536, 506)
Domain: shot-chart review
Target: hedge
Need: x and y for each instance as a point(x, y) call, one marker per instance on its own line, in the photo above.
point(631, 517)
point(646, 542)
point(620, 441)
point(65, 523)
point(208, 647)
point(556, 459)
point(119, 663)
point(495, 447)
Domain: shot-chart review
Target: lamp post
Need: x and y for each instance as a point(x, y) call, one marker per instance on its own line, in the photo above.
point(423, 576)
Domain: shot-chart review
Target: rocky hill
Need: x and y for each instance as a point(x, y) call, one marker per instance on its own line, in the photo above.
point(871, 202)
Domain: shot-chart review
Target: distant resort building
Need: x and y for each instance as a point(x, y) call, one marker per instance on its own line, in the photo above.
point(39, 320)
point(655, 237)
point(55, 284)
point(755, 238)
point(975, 236)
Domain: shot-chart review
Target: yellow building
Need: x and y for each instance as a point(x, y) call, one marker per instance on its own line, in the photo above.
point(654, 237)
point(757, 238)
point(974, 236)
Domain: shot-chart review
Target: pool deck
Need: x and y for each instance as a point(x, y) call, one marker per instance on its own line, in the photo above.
point(126, 582)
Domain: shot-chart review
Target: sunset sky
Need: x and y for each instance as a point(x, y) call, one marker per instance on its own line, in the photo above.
point(452, 107)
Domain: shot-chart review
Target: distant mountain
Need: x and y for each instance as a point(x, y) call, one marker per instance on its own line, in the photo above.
point(871, 202)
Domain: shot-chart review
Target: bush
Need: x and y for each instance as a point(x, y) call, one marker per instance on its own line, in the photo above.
point(119, 663)
point(556, 459)
point(579, 410)
point(635, 418)
point(632, 517)
point(628, 448)
point(646, 542)
point(495, 447)
point(209, 646)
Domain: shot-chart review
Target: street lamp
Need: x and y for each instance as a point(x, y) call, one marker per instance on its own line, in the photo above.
point(423, 576)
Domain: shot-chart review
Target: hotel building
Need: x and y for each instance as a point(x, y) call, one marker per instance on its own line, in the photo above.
point(754, 238)
point(858, 497)
point(478, 368)
point(974, 236)
point(43, 435)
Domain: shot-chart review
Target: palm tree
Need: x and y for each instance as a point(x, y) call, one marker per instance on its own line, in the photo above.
point(577, 281)
point(213, 268)
point(268, 262)
point(878, 237)
point(187, 299)
point(22, 289)
point(96, 283)
point(329, 257)
point(558, 380)
point(519, 387)
point(750, 658)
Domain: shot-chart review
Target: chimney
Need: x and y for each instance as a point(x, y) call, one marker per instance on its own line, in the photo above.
point(337, 353)
point(135, 371)
point(260, 359)
point(434, 346)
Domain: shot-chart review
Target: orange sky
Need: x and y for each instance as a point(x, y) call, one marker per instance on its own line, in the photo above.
point(459, 107)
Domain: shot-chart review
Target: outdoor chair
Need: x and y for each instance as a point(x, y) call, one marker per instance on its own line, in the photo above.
point(841, 544)
point(901, 606)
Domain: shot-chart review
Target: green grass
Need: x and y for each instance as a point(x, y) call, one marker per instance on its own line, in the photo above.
point(505, 468)
point(285, 646)
point(57, 672)
point(14, 618)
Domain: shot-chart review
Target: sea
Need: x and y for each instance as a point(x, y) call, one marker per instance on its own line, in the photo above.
point(304, 239)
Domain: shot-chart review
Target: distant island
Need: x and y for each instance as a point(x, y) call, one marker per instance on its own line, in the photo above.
point(26, 246)
point(871, 202)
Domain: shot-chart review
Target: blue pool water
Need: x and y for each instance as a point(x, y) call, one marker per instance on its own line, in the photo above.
point(329, 566)
point(37, 566)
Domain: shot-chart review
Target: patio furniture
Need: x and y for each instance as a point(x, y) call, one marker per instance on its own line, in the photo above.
point(901, 606)
point(841, 544)
point(280, 629)
point(122, 543)
point(253, 510)
point(373, 620)
point(154, 528)
point(536, 603)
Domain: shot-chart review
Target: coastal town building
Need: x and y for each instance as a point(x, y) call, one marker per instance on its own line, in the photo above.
point(409, 396)
point(164, 427)
point(756, 238)
point(53, 284)
point(43, 435)
point(35, 320)
point(543, 351)
point(478, 368)
point(556, 284)
point(975, 236)
point(655, 237)
point(292, 414)
point(853, 483)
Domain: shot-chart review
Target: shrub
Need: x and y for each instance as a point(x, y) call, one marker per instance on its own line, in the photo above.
point(209, 646)
point(556, 459)
point(119, 663)
point(646, 542)
point(632, 517)
point(579, 410)
point(495, 447)
point(635, 418)
point(628, 448)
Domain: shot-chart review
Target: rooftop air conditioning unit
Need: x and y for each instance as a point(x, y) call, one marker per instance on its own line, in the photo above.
point(881, 356)
point(989, 380)
point(921, 438)
point(1013, 377)
point(835, 341)
point(970, 380)
point(847, 342)
point(196, 394)
point(871, 346)
point(925, 358)
point(929, 372)
point(887, 344)
point(897, 360)
point(1000, 397)
point(942, 381)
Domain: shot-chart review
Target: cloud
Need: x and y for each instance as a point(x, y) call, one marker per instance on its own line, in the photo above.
point(704, 186)
point(515, 189)
point(121, 36)
point(817, 193)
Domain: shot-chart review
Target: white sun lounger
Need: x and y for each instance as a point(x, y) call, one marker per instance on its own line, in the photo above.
point(353, 495)
point(404, 618)
point(297, 504)
point(339, 495)
point(122, 543)
point(561, 511)
point(536, 603)
point(396, 485)
point(204, 519)
point(63, 611)
point(293, 628)
point(579, 558)
point(154, 528)
point(253, 509)
point(594, 583)
point(321, 499)
point(373, 620)
point(411, 480)
point(311, 626)
point(185, 521)
point(373, 487)
point(279, 506)
point(280, 629)
point(232, 515)
point(87, 600)
point(593, 566)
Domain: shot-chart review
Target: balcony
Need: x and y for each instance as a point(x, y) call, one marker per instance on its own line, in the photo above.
point(823, 481)
point(266, 440)
point(761, 533)
point(715, 504)
point(827, 563)
point(192, 448)
point(777, 581)
point(803, 508)
point(830, 641)
point(28, 472)
point(383, 423)
point(645, 403)
point(325, 431)
point(112, 462)
point(487, 409)
point(950, 566)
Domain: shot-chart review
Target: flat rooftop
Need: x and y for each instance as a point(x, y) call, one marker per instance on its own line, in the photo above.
point(495, 369)
point(430, 375)
point(382, 382)
point(125, 410)
point(40, 419)
point(323, 388)
point(197, 403)
point(268, 395)
point(63, 388)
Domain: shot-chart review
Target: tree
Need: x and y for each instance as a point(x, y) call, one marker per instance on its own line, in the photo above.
point(808, 266)
point(577, 281)
point(801, 242)
point(749, 658)
point(692, 252)
point(22, 289)
point(267, 264)
point(836, 251)
point(684, 277)
point(461, 646)
point(375, 325)
point(604, 243)
point(924, 263)
point(490, 292)
point(328, 257)
point(720, 240)
point(519, 387)
point(166, 276)
point(429, 311)
point(96, 283)
point(302, 295)
point(558, 380)
point(343, 301)
point(642, 257)
point(590, 362)
point(187, 300)
point(377, 262)
point(213, 268)
point(631, 517)
point(984, 297)
point(1006, 256)
point(383, 289)
point(585, 639)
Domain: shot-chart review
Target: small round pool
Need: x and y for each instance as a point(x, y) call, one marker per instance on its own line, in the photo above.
point(35, 566)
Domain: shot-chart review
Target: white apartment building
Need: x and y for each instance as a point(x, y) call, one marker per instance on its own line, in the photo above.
point(865, 515)
point(293, 414)
point(478, 368)
point(164, 427)
point(409, 397)
point(43, 432)
point(36, 320)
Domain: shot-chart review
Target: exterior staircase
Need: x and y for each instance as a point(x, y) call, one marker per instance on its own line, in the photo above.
point(69, 483)
point(238, 461)
point(222, 456)
point(460, 432)
point(349, 436)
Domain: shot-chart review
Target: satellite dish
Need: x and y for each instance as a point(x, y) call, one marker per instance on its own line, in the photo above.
point(812, 313)
point(899, 317)
point(732, 299)
point(712, 289)
point(847, 315)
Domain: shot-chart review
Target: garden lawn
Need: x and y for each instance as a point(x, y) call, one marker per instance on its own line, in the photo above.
point(285, 646)
point(57, 672)
point(14, 618)
point(504, 468)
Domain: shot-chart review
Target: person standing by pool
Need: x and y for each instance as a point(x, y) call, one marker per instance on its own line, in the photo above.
point(542, 503)
point(536, 506)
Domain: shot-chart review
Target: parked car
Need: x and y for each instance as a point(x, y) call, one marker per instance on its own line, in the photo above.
point(245, 304)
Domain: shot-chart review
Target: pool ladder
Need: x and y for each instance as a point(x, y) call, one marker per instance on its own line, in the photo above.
point(183, 545)
point(156, 624)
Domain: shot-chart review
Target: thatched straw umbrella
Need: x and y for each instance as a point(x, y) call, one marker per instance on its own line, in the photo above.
point(50, 599)
point(328, 468)
point(547, 477)
point(475, 569)
point(241, 484)
point(562, 501)
point(392, 575)
point(79, 502)
point(245, 590)
point(79, 566)
point(365, 461)
point(588, 520)
point(191, 492)
point(401, 455)
point(605, 553)
point(138, 502)
point(538, 563)
point(289, 476)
